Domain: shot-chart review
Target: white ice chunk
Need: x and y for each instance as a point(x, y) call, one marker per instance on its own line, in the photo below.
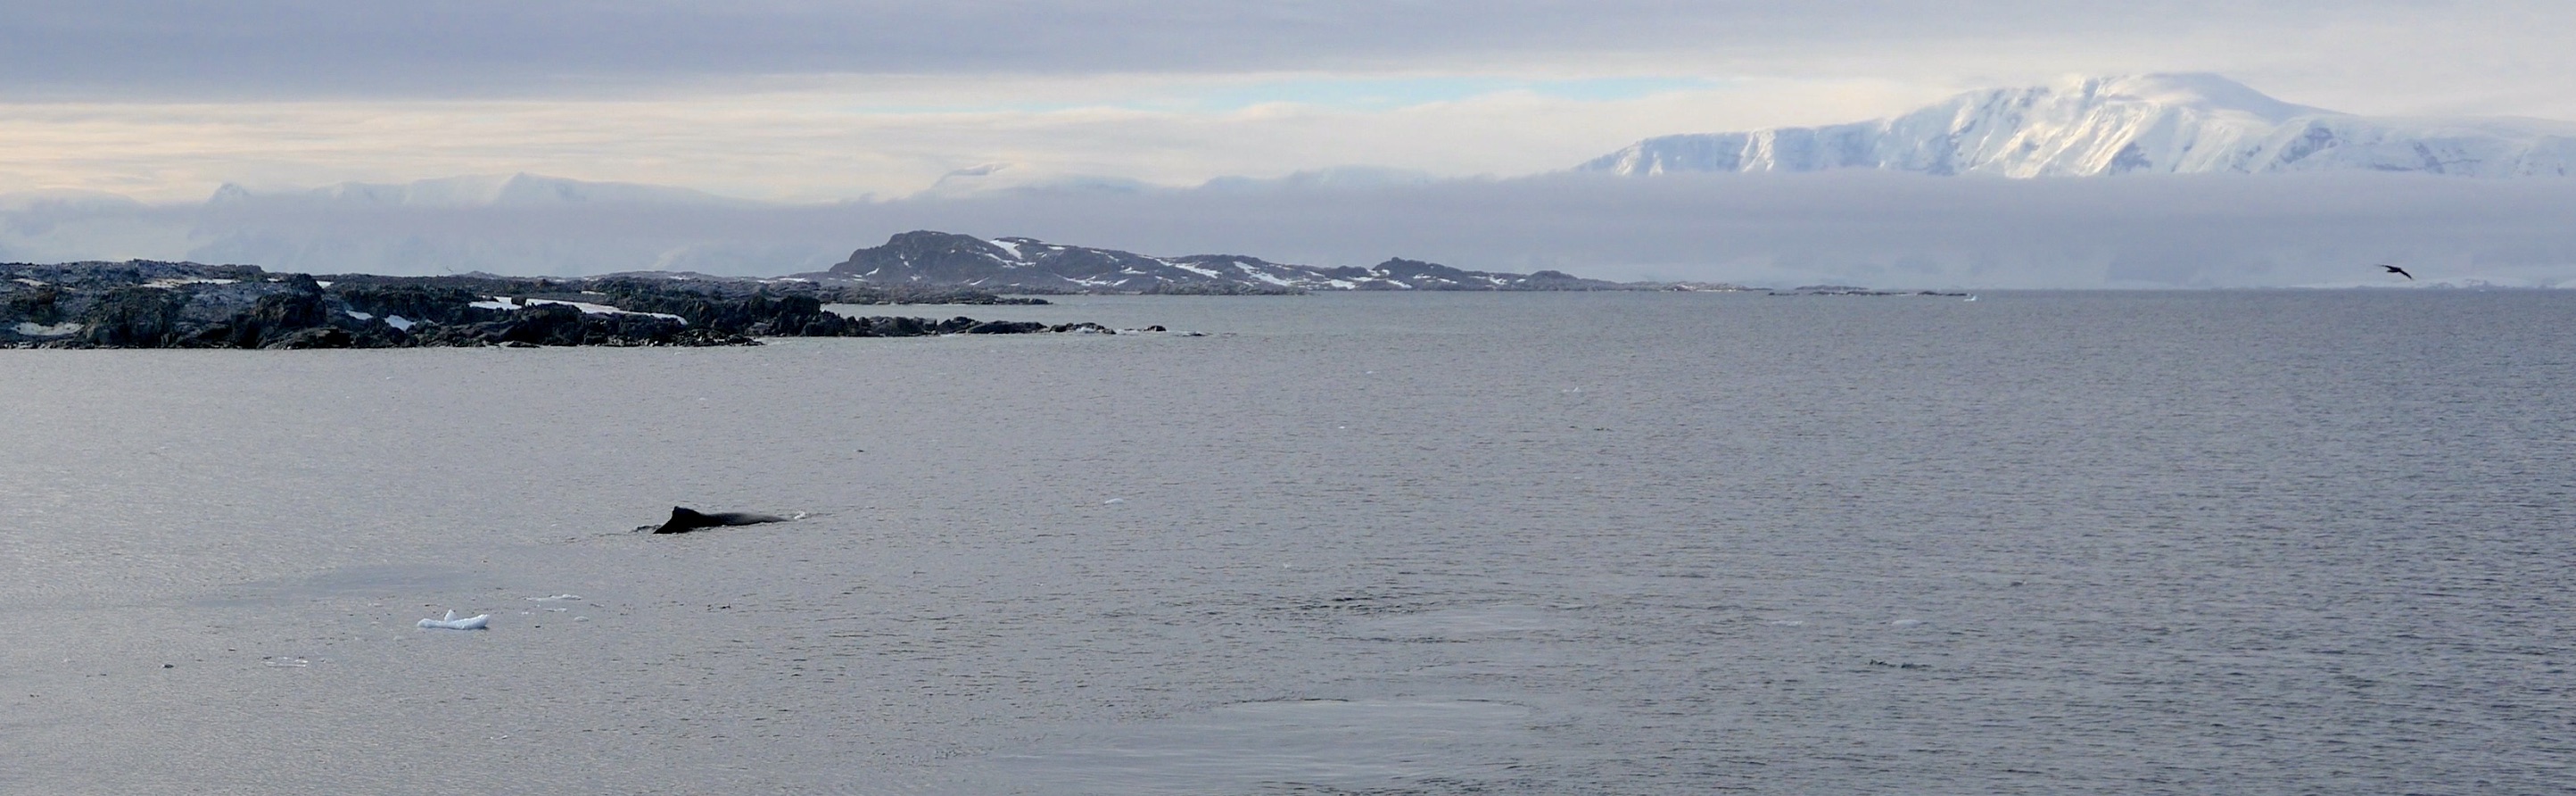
point(555, 598)
point(475, 622)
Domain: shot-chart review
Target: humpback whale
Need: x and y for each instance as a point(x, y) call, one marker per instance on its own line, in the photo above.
point(684, 520)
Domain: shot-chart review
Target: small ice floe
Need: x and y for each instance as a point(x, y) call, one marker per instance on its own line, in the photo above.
point(1113, 501)
point(475, 622)
point(1786, 622)
point(286, 663)
point(1906, 622)
point(556, 598)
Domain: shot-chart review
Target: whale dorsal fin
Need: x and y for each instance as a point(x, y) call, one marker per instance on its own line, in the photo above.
point(684, 520)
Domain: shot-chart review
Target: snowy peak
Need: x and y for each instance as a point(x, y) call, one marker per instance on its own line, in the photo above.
point(2089, 126)
point(2196, 91)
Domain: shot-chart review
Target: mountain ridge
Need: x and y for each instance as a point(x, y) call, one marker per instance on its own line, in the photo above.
point(2096, 126)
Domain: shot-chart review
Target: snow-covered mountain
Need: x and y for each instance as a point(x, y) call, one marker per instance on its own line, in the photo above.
point(1030, 265)
point(2165, 123)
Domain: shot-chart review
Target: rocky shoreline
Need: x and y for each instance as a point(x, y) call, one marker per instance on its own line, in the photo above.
point(147, 304)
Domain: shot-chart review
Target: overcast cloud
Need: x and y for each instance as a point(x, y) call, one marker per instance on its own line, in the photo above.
point(297, 48)
point(2377, 56)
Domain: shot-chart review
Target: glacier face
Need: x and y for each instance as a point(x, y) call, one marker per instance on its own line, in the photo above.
point(2086, 126)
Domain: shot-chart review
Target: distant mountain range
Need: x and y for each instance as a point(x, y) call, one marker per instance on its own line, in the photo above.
point(535, 224)
point(2165, 123)
point(1028, 265)
point(485, 190)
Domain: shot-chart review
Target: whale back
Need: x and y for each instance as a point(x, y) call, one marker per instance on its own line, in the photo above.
point(684, 519)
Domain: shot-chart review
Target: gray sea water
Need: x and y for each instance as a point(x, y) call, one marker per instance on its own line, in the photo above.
point(2213, 542)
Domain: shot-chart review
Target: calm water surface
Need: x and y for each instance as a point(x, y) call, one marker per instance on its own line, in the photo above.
point(2275, 542)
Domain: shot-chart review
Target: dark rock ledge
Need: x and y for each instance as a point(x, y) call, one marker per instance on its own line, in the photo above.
point(144, 304)
point(1848, 290)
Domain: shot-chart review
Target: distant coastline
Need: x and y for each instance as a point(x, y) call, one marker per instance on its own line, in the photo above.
point(155, 304)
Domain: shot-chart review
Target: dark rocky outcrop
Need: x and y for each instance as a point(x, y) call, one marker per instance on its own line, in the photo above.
point(133, 317)
point(144, 304)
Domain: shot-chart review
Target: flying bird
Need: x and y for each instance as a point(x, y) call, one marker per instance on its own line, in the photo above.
point(2399, 271)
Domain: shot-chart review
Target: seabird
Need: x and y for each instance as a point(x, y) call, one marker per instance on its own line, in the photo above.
point(2399, 271)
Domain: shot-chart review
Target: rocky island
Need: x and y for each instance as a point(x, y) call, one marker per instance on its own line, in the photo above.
point(147, 304)
point(1029, 265)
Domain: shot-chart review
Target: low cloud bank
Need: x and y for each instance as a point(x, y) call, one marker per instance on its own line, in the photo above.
point(1880, 230)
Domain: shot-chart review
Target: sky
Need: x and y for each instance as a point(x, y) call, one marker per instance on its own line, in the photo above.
point(834, 103)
